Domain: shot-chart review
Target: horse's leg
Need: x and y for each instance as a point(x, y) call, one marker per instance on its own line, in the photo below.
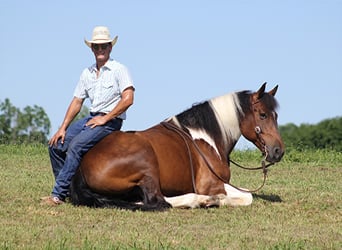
point(152, 196)
point(235, 197)
point(193, 200)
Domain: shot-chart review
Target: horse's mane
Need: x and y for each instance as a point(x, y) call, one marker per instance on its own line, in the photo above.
point(199, 116)
point(203, 115)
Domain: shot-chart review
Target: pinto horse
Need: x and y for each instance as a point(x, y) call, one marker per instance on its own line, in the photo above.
point(183, 161)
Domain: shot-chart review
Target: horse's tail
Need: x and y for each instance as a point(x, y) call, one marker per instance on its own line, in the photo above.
point(82, 195)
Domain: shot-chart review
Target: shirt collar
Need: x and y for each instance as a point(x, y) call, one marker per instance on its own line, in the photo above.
point(108, 65)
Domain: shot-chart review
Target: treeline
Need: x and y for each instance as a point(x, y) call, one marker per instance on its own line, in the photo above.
point(32, 125)
point(327, 134)
point(29, 125)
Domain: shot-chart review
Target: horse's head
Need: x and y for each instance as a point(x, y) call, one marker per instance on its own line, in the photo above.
point(259, 124)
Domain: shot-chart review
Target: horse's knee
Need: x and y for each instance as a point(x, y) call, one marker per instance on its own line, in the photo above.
point(152, 196)
point(156, 204)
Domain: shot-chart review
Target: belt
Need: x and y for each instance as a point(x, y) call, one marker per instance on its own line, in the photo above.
point(102, 114)
point(97, 113)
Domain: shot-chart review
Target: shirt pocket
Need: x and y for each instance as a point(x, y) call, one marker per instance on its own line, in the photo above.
point(107, 85)
point(110, 89)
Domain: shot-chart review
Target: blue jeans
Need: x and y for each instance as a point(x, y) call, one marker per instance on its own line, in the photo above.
point(65, 158)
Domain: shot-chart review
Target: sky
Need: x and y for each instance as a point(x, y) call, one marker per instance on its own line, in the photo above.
point(178, 52)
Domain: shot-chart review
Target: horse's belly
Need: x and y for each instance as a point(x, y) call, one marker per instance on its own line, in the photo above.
point(118, 163)
point(175, 175)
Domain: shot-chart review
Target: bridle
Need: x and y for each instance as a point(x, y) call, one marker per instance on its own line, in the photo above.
point(185, 135)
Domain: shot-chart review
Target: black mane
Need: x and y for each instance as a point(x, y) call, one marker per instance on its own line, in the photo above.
point(200, 116)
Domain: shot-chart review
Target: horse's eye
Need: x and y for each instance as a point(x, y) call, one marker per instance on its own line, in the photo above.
point(263, 116)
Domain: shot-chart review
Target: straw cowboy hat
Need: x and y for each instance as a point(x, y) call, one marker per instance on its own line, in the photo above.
point(101, 35)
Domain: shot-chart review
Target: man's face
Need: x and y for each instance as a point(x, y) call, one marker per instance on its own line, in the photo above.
point(101, 51)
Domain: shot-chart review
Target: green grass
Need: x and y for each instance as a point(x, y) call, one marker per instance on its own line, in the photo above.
point(299, 208)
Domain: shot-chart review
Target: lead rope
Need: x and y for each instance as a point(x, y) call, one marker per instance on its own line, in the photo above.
point(263, 167)
point(264, 170)
point(183, 134)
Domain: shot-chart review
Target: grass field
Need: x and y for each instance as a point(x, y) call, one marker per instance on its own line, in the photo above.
point(299, 208)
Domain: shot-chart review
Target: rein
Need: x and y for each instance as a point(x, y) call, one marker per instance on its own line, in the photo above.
point(184, 135)
point(264, 171)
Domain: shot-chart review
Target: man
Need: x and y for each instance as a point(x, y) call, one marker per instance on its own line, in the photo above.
point(110, 89)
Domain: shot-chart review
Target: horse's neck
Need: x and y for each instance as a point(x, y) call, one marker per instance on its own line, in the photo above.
point(226, 110)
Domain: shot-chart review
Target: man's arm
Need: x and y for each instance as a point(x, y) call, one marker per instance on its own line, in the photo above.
point(127, 98)
point(73, 109)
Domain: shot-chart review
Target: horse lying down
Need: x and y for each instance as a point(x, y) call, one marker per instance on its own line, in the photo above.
point(183, 161)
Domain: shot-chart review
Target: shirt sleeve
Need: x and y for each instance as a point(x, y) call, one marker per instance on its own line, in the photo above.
point(80, 90)
point(124, 78)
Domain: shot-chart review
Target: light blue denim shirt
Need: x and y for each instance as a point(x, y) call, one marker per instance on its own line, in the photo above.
point(105, 91)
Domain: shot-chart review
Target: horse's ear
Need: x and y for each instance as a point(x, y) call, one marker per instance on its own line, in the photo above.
point(273, 91)
point(261, 91)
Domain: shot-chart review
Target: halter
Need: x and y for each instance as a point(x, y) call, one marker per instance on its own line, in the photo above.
point(185, 135)
point(257, 130)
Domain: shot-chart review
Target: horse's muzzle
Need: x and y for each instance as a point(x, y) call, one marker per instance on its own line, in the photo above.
point(274, 154)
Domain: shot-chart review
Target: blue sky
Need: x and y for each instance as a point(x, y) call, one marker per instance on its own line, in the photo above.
point(178, 53)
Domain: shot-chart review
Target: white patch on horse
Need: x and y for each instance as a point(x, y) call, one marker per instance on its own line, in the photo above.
point(226, 111)
point(236, 197)
point(233, 198)
point(174, 120)
point(198, 134)
point(192, 200)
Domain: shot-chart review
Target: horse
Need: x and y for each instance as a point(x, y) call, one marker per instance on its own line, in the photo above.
point(182, 161)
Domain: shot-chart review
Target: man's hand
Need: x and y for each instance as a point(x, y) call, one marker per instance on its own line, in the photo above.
point(97, 121)
point(60, 134)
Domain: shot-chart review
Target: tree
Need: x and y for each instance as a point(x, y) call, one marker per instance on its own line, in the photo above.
point(327, 134)
point(27, 126)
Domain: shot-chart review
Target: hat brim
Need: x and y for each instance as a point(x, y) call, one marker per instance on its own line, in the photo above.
point(89, 43)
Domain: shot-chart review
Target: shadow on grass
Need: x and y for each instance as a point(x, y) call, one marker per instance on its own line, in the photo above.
point(268, 197)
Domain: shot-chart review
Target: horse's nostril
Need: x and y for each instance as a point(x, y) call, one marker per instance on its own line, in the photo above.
point(276, 150)
point(278, 153)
